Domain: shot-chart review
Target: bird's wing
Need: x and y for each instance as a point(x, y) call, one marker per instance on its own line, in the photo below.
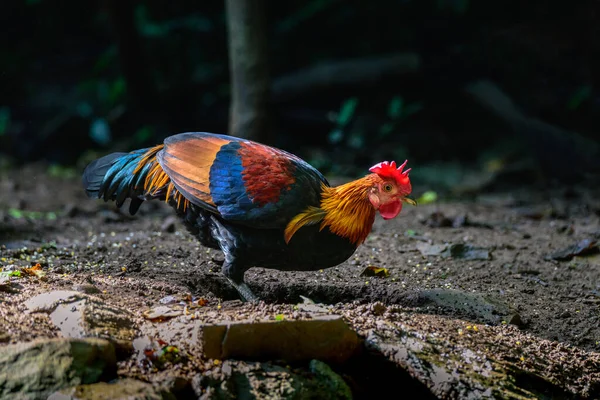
point(243, 181)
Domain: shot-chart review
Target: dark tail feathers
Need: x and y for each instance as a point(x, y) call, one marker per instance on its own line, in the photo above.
point(117, 177)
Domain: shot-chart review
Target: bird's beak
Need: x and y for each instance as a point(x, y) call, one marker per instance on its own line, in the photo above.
point(410, 201)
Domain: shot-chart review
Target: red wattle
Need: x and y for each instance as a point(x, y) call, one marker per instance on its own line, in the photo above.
point(390, 210)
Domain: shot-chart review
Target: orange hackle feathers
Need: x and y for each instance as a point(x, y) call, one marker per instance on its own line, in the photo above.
point(345, 210)
point(157, 179)
point(311, 216)
point(349, 212)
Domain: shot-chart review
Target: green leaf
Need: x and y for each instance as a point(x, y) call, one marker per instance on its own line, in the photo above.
point(386, 129)
point(15, 213)
point(143, 134)
point(279, 317)
point(347, 110)
point(412, 108)
point(309, 10)
point(117, 90)
point(147, 27)
point(458, 6)
point(580, 95)
point(106, 59)
point(58, 171)
point(395, 107)
point(100, 131)
point(335, 136)
point(428, 197)
point(4, 120)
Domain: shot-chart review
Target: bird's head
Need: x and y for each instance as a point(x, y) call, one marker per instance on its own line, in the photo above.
point(391, 188)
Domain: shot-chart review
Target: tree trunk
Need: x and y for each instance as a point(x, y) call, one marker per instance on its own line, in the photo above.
point(249, 73)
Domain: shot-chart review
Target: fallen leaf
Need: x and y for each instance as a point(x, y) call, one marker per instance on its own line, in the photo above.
point(202, 302)
point(36, 270)
point(9, 274)
point(375, 271)
point(161, 313)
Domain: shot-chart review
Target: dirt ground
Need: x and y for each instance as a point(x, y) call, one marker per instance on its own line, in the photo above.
point(138, 260)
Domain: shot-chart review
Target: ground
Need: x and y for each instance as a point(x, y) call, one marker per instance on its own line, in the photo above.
point(136, 261)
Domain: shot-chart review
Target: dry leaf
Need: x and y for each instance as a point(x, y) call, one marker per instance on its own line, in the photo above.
point(375, 271)
point(36, 270)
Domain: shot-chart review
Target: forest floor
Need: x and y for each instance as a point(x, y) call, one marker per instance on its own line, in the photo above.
point(498, 260)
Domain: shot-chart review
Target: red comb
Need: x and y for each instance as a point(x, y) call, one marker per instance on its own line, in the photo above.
point(386, 169)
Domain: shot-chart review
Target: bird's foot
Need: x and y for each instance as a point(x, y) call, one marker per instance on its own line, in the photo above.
point(244, 291)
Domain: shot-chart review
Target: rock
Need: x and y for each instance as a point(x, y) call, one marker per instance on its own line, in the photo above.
point(78, 315)
point(123, 389)
point(335, 384)
point(71, 210)
point(169, 224)
point(428, 249)
point(163, 313)
point(516, 320)
point(256, 380)
point(36, 369)
point(581, 248)
point(565, 314)
point(456, 250)
point(479, 306)
point(86, 288)
point(47, 302)
point(455, 372)
point(325, 337)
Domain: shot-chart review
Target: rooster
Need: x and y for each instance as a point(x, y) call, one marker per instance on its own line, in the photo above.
point(261, 206)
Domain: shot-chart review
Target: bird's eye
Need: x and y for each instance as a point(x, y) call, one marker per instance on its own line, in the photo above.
point(387, 187)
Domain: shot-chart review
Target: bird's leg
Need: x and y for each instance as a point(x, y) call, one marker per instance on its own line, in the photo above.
point(232, 269)
point(235, 275)
point(243, 290)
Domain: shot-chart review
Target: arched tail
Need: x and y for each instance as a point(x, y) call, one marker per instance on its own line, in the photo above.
point(136, 175)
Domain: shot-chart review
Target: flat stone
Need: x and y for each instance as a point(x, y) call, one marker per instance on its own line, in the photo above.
point(334, 383)
point(34, 370)
point(456, 372)
point(255, 380)
point(486, 308)
point(325, 337)
point(47, 302)
point(78, 315)
point(123, 389)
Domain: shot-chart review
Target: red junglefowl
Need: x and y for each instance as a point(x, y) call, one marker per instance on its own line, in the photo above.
point(259, 205)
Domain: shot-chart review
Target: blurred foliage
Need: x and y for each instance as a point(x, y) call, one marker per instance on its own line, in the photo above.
point(18, 214)
point(4, 120)
point(87, 78)
point(427, 197)
point(62, 172)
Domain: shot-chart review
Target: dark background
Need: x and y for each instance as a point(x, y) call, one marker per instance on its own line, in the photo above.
point(498, 92)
